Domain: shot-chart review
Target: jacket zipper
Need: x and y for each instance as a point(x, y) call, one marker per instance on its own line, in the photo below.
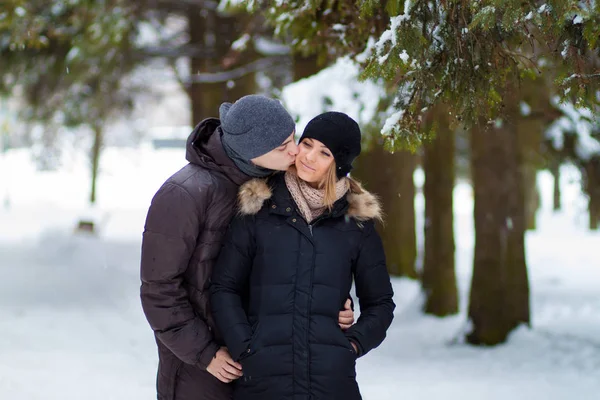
point(312, 272)
point(314, 262)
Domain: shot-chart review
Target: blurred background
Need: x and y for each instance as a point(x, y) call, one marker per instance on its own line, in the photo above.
point(481, 136)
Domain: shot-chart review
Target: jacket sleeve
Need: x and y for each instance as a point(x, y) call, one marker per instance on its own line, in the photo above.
point(229, 283)
point(173, 224)
point(374, 292)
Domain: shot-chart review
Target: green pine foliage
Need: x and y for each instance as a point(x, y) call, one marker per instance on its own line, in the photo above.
point(466, 54)
point(67, 59)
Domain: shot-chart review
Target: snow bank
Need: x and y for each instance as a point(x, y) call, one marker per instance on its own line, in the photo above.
point(72, 322)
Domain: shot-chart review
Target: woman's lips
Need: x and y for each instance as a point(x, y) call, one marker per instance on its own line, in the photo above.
point(307, 167)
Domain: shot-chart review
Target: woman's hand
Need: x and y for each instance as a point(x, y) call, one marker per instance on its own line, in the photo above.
point(223, 367)
point(346, 317)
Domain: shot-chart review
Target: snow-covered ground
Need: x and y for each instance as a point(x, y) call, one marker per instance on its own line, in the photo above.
point(71, 325)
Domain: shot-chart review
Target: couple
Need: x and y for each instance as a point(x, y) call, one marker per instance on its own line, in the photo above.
point(279, 323)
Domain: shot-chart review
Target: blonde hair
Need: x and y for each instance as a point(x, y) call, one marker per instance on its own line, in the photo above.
point(329, 183)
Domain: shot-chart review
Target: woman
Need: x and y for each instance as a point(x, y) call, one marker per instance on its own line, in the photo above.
point(287, 266)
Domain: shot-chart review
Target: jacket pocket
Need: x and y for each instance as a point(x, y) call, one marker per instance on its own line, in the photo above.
point(341, 339)
point(252, 346)
point(255, 335)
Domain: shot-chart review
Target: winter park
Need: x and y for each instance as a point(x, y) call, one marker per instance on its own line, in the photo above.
point(191, 190)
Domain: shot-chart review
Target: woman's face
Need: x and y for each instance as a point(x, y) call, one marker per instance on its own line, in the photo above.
point(313, 161)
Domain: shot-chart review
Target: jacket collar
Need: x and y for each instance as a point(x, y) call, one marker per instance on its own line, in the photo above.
point(273, 193)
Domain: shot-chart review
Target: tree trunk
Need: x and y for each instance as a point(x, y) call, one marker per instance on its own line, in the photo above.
point(530, 141)
point(499, 300)
point(96, 149)
point(390, 176)
point(210, 29)
point(594, 213)
point(555, 171)
point(592, 171)
point(305, 66)
point(204, 98)
point(439, 279)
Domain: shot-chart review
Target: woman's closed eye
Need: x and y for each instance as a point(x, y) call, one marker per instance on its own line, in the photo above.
point(306, 144)
point(326, 154)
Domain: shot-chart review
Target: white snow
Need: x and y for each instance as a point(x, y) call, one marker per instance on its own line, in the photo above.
point(334, 88)
point(391, 122)
point(390, 35)
point(488, 10)
point(225, 5)
point(579, 120)
point(404, 56)
point(525, 108)
point(241, 43)
point(270, 47)
point(72, 326)
point(384, 38)
point(73, 54)
point(364, 56)
point(381, 60)
point(20, 11)
point(565, 51)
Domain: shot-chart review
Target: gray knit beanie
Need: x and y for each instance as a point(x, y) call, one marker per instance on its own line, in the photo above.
point(254, 125)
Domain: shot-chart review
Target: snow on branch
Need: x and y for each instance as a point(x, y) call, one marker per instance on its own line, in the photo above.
point(236, 73)
point(463, 54)
point(581, 122)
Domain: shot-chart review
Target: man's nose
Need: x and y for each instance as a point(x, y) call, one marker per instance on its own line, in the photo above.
point(294, 149)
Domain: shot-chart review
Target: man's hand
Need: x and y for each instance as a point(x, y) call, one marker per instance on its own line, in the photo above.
point(346, 318)
point(223, 367)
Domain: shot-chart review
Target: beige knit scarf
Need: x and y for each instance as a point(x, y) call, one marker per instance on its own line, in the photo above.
point(308, 199)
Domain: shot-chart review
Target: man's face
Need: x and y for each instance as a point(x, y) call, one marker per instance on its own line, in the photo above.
point(280, 158)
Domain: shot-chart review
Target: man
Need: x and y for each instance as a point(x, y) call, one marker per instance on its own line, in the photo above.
point(184, 228)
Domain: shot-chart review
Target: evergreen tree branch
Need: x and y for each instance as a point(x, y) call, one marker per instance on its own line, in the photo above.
point(236, 73)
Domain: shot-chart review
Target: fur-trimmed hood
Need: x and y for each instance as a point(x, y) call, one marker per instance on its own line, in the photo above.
point(362, 206)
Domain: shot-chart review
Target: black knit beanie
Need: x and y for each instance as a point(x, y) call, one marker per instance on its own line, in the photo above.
point(341, 135)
